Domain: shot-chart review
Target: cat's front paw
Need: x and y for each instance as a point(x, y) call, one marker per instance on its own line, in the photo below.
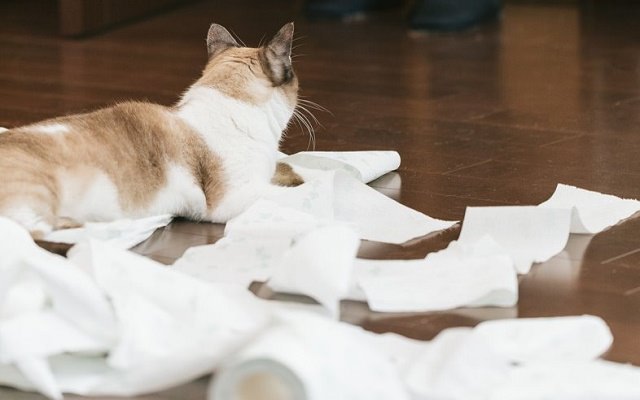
point(286, 176)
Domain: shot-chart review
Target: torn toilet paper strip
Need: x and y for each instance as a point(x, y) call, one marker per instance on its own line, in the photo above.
point(254, 245)
point(472, 275)
point(376, 217)
point(598, 379)
point(365, 166)
point(528, 234)
point(463, 363)
point(592, 211)
point(529, 340)
point(124, 233)
point(319, 264)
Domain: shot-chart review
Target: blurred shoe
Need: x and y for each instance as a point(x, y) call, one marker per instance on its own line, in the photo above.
point(453, 15)
point(320, 9)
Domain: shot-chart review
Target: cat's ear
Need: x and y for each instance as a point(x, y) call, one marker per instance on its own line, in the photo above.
point(219, 39)
point(277, 56)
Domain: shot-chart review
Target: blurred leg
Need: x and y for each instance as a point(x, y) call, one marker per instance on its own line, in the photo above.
point(344, 8)
point(451, 15)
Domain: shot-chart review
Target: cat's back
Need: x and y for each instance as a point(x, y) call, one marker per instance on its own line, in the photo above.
point(132, 151)
point(125, 129)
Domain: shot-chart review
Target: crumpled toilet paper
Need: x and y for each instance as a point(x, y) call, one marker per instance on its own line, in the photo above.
point(473, 275)
point(123, 233)
point(592, 212)
point(284, 246)
point(254, 245)
point(111, 322)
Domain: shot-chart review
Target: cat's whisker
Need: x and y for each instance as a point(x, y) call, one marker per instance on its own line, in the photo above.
point(304, 123)
point(305, 110)
point(307, 118)
point(308, 125)
point(297, 121)
point(315, 106)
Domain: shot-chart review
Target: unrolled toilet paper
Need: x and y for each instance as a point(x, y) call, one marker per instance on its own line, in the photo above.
point(320, 265)
point(124, 233)
point(592, 212)
point(527, 234)
point(472, 275)
point(373, 215)
point(365, 166)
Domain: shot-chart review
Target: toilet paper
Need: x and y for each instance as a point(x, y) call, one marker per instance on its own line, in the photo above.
point(123, 233)
point(592, 212)
point(472, 275)
point(528, 234)
point(306, 357)
point(365, 166)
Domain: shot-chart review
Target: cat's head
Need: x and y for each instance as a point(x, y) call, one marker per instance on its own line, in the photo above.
point(253, 75)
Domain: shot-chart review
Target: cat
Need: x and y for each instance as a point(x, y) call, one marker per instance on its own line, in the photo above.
point(207, 158)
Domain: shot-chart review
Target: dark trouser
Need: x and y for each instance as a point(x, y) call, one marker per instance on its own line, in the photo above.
point(425, 14)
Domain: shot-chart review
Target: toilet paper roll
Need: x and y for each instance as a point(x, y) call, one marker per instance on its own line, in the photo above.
point(307, 357)
point(265, 376)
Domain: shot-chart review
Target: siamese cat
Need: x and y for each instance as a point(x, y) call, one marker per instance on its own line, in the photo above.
point(207, 158)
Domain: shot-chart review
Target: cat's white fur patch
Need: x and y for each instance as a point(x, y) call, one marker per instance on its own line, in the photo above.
point(25, 216)
point(180, 195)
point(88, 196)
point(52, 129)
point(3, 129)
point(244, 136)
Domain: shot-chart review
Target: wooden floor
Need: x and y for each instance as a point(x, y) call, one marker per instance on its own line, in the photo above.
point(494, 116)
